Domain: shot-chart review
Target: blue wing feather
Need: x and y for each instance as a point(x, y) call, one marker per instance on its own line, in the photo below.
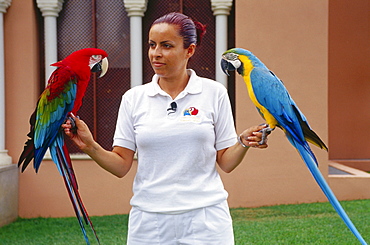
point(50, 116)
point(272, 94)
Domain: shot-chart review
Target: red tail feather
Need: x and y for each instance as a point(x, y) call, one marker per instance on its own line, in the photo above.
point(72, 187)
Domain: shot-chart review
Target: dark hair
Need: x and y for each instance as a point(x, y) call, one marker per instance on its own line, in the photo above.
point(191, 31)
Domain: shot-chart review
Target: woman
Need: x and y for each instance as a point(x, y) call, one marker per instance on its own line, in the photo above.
point(180, 125)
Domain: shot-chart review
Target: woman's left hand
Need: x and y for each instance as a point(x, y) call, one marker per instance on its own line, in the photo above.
point(252, 137)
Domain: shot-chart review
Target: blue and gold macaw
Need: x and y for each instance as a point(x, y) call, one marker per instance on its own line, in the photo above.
point(275, 105)
point(61, 98)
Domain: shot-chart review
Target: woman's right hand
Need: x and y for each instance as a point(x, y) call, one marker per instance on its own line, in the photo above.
point(80, 134)
point(118, 161)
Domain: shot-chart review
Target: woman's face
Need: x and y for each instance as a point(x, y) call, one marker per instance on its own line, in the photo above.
point(166, 50)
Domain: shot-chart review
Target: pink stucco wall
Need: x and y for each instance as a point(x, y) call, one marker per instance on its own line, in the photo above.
point(290, 37)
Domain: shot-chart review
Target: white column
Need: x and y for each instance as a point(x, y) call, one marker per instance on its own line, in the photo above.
point(50, 10)
point(5, 159)
point(136, 10)
point(221, 9)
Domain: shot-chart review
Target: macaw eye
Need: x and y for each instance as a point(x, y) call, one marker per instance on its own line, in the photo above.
point(231, 56)
point(95, 58)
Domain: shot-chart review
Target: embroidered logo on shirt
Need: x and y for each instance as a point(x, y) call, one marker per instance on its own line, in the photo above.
point(191, 111)
point(191, 115)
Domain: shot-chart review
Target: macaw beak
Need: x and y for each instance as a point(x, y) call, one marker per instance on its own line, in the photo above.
point(226, 66)
point(230, 62)
point(104, 67)
point(101, 66)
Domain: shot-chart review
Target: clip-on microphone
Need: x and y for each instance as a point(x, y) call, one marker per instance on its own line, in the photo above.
point(172, 109)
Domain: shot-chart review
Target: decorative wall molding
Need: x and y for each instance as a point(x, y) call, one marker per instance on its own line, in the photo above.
point(50, 7)
point(221, 7)
point(135, 7)
point(4, 4)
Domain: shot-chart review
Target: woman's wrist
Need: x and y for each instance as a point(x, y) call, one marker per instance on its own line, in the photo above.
point(241, 142)
point(90, 148)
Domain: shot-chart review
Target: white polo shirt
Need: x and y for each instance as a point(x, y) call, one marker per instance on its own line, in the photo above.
point(176, 148)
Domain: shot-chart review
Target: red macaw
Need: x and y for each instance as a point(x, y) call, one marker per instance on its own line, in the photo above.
point(62, 96)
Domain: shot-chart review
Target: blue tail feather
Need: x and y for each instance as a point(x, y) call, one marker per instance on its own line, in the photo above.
point(311, 163)
point(60, 160)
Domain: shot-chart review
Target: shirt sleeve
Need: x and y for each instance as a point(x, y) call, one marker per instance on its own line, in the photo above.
point(124, 135)
point(224, 123)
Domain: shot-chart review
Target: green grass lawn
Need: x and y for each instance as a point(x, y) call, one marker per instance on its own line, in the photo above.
point(315, 223)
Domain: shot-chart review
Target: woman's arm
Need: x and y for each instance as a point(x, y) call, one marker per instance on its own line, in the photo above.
point(118, 161)
point(228, 159)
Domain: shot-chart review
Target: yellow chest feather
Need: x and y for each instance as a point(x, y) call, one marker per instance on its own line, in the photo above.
point(248, 67)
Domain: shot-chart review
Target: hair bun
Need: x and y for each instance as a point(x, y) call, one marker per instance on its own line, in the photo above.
point(201, 30)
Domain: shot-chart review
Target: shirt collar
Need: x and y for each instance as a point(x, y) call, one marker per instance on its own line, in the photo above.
point(194, 85)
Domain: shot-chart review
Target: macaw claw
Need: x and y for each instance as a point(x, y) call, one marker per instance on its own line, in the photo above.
point(265, 132)
point(73, 123)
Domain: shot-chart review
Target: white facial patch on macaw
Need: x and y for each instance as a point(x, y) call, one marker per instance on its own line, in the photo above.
point(233, 59)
